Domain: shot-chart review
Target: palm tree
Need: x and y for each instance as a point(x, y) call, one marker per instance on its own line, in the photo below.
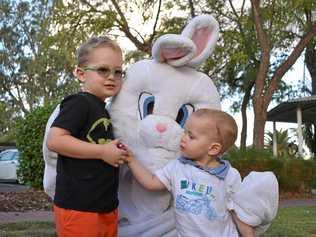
point(284, 146)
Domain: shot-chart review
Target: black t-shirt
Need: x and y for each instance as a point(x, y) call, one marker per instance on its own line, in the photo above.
point(85, 184)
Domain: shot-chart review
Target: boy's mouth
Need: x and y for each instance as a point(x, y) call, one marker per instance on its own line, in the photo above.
point(109, 86)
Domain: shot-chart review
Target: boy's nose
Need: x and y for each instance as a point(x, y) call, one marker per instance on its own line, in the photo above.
point(110, 77)
point(161, 127)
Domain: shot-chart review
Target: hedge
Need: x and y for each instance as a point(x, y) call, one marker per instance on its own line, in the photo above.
point(294, 175)
point(29, 138)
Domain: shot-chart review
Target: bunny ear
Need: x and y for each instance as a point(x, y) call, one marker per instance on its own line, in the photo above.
point(175, 50)
point(203, 31)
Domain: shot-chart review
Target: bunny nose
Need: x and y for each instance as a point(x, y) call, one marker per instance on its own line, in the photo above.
point(161, 127)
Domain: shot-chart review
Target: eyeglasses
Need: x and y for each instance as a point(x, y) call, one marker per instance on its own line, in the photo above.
point(106, 71)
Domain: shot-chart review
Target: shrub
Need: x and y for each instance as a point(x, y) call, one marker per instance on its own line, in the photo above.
point(29, 138)
point(293, 174)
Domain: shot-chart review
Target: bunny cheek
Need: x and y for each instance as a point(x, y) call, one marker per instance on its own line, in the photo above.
point(160, 132)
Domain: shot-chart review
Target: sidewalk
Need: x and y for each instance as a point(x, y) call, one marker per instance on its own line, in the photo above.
point(297, 202)
point(10, 217)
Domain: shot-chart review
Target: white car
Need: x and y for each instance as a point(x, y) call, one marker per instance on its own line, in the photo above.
point(9, 162)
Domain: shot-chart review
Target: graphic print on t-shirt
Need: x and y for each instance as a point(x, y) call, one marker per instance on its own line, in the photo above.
point(196, 199)
point(94, 135)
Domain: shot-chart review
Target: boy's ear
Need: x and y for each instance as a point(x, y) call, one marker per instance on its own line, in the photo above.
point(78, 73)
point(215, 149)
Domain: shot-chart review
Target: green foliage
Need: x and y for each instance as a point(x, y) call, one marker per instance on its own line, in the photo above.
point(294, 175)
point(7, 123)
point(29, 138)
point(309, 133)
point(34, 67)
point(284, 146)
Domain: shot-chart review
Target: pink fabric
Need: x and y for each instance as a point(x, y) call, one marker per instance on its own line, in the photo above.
point(172, 53)
point(201, 38)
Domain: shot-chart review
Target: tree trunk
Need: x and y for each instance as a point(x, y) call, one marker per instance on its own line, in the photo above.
point(310, 60)
point(245, 102)
point(259, 124)
point(259, 98)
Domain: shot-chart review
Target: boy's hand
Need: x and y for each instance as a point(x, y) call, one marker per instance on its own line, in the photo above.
point(121, 146)
point(112, 154)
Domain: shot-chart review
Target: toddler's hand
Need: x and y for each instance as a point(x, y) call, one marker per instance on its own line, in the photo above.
point(129, 157)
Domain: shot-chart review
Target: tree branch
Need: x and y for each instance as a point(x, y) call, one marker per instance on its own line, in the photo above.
point(265, 49)
point(279, 73)
point(242, 8)
point(192, 10)
point(155, 25)
point(125, 28)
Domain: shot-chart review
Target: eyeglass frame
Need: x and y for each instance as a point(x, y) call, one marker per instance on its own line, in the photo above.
point(112, 71)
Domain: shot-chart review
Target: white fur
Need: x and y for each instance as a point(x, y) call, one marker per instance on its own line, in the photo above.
point(50, 158)
point(256, 202)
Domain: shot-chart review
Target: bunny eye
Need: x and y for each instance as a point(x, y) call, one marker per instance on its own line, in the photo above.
point(146, 103)
point(184, 113)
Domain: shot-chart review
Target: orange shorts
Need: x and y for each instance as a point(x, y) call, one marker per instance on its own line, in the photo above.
point(70, 223)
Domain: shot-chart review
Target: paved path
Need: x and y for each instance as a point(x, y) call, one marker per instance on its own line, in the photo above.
point(9, 217)
point(297, 202)
point(12, 187)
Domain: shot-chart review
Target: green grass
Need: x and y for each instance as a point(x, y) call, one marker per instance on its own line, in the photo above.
point(294, 222)
point(28, 229)
point(290, 222)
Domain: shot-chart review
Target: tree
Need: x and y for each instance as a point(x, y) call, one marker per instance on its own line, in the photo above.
point(6, 135)
point(265, 85)
point(310, 61)
point(32, 69)
point(112, 17)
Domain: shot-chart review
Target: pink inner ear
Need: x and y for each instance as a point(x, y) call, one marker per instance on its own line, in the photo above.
point(200, 39)
point(172, 53)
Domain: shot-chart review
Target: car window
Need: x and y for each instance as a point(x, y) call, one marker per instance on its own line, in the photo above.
point(7, 155)
point(16, 156)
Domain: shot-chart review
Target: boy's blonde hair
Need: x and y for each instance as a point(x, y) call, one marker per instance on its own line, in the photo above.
point(226, 127)
point(94, 42)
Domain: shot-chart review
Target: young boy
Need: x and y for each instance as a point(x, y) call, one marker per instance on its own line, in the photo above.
point(86, 197)
point(200, 182)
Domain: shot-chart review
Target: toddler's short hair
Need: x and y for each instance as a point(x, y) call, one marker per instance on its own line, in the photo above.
point(92, 43)
point(226, 126)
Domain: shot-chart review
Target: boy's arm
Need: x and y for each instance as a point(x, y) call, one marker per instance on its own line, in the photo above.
point(143, 175)
point(244, 229)
point(61, 141)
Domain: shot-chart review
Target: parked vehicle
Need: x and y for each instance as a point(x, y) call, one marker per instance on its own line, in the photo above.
point(9, 162)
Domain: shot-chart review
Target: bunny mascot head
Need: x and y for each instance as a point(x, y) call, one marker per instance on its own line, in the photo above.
point(149, 113)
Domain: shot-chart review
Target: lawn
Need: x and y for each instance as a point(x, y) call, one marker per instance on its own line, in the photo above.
point(290, 222)
point(294, 222)
point(26, 229)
